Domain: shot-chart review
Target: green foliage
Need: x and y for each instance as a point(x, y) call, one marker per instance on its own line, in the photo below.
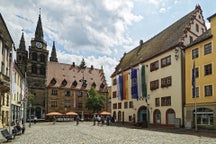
point(30, 98)
point(83, 64)
point(94, 102)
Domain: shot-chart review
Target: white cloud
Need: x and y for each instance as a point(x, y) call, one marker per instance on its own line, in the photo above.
point(93, 29)
point(162, 10)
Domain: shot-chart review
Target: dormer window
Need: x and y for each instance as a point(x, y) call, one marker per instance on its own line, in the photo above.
point(74, 83)
point(64, 82)
point(93, 85)
point(84, 84)
point(53, 81)
point(102, 86)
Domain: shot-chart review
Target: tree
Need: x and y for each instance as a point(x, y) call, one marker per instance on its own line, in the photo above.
point(95, 101)
point(30, 98)
point(83, 64)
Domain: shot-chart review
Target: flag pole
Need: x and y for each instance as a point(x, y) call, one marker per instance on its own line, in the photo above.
point(194, 93)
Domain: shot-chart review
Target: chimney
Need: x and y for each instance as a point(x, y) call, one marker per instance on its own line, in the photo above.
point(73, 64)
point(141, 42)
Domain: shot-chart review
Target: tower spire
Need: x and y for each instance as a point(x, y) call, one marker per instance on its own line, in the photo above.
point(22, 42)
point(53, 56)
point(39, 29)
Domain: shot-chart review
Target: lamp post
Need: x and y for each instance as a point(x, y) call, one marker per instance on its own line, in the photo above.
point(147, 113)
point(84, 84)
point(30, 106)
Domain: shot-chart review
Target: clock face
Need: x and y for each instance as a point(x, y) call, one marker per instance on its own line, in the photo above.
point(38, 45)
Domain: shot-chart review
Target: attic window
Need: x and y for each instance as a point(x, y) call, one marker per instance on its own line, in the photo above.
point(93, 85)
point(53, 81)
point(75, 83)
point(102, 86)
point(64, 82)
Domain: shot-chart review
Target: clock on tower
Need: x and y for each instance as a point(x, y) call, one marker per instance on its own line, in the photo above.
point(38, 44)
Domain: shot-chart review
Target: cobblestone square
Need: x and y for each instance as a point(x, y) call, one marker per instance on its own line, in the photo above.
point(86, 133)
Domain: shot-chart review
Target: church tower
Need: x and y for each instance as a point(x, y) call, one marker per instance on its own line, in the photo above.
point(36, 70)
point(53, 57)
point(22, 55)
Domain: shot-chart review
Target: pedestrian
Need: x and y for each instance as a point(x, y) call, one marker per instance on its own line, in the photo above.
point(54, 120)
point(35, 120)
point(94, 120)
point(98, 120)
point(102, 120)
point(77, 120)
point(107, 120)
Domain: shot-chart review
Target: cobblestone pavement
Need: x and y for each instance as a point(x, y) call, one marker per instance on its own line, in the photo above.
point(86, 133)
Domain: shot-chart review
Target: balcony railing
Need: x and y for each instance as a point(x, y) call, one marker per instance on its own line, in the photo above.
point(4, 83)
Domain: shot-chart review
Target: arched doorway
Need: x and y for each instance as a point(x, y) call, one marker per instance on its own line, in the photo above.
point(157, 117)
point(38, 112)
point(143, 116)
point(170, 116)
point(114, 114)
point(119, 116)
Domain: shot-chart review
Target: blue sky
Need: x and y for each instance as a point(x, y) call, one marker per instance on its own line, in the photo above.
point(101, 31)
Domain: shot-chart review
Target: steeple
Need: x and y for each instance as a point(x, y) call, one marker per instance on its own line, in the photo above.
point(22, 55)
point(22, 42)
point(39, 30)
point(53, 56)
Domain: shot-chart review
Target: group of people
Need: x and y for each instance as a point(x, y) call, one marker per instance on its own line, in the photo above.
point(18, 129)
point(101, 120)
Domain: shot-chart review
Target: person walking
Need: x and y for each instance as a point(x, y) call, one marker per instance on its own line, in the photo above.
point(107, 120)
point(54, 120)
point(94, 120)
point(98, 120)
point(77, 120)
point(35, 120)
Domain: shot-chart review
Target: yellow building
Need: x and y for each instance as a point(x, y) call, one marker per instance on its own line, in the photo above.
point(202, 56)
point(6, 46)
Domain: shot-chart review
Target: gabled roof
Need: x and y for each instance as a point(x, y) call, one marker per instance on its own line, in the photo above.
point(70, 73)
point(164, 41)
point(5, 28)
point(204, 36)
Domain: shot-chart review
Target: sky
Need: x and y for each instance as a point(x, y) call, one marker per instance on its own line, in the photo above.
point(100, 31)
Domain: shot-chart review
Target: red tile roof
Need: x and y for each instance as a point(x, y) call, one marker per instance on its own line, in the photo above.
point(70, 73)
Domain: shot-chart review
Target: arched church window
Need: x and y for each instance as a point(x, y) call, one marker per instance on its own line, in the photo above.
point(23, 58)
point(34, 69)
point(34, 56)
point(42, 70)
point(42, 58)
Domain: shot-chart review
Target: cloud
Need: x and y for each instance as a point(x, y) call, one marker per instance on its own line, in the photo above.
point(162, 10)
point(93, 29)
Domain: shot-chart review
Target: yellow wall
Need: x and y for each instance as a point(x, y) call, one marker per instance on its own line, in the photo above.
point(200, 62)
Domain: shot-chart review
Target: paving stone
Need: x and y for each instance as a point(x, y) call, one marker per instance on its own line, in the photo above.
point(86, 133)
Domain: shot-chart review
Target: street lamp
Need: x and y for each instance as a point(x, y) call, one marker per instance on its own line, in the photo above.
point(147, 113)
point(30, 106)
point(84, 84)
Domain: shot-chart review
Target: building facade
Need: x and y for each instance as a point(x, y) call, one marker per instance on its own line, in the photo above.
point(148, 83)
point(53, 84)
point(67, 91)
point(33, 64)
point(6, 48)
point(200, 103)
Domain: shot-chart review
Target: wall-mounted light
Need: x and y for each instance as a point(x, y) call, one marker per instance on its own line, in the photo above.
point(176, 53)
